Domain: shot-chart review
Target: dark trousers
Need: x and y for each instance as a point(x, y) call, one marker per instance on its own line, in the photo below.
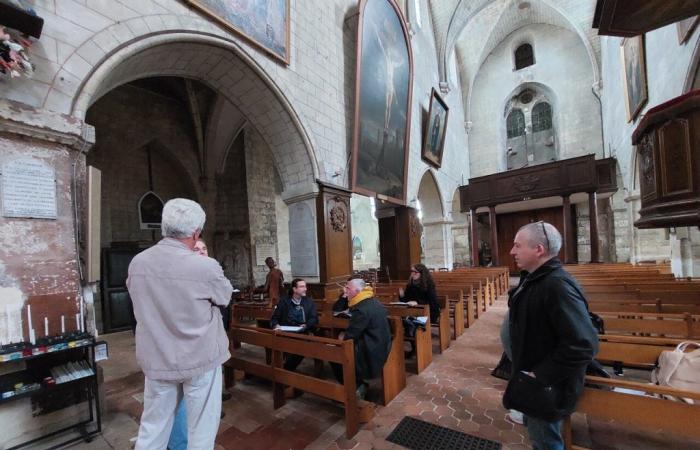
point(338, 373)
point(291, 361)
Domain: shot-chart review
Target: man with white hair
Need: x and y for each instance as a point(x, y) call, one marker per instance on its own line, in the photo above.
point(551, 336)
point(180, 338)
point(370, 332)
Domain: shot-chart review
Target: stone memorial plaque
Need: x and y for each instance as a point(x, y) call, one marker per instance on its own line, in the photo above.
point(262, 252)
point(28, 189)
point(302, 240)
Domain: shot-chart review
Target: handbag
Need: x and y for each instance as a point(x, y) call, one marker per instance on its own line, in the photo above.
point(679, 369)
point(529, 396)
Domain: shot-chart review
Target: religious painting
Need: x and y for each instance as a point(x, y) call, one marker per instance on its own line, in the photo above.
point(434, 137)
point(686, 27)
point(382, 102)
point(634, 75)
point(265, 23)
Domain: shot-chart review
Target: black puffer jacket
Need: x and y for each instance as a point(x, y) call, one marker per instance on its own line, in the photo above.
point(551, 332)
point(370, 331)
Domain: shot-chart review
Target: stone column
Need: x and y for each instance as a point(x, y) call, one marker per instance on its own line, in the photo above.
point(438, 243)
point(593, 218)
point(495, 257)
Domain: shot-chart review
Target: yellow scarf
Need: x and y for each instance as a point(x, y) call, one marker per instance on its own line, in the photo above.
point(362, 295)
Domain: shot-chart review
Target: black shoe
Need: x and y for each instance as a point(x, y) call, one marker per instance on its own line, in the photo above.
point(361, 391)
point(226, 396)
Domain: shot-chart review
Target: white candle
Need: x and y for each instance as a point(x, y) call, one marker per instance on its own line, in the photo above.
point(46, 326)
point(63, 324)
point(10, 337)
point(29, 318)
point(77, 322)
point(32, 336)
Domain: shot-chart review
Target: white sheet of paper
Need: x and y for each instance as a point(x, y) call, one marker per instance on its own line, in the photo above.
point(290, 328)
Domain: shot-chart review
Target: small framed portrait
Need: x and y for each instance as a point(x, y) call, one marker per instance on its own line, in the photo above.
point(634, 75)
point(434, 136)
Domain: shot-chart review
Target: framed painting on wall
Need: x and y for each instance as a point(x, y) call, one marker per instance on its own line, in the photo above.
point(435, 131)
point(634, 75)
point(686, 27)
point(382, 102)
point(264, 23)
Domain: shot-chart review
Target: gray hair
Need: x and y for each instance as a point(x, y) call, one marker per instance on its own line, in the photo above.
point(181, 218)
point(544, 234)
point(358, 283)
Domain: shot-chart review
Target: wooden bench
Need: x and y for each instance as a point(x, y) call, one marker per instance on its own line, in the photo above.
point(640, 412)
point(682, 326)
point(633, 351)
point(331, 350)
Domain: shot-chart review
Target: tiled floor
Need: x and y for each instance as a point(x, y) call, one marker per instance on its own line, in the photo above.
point(456, 391)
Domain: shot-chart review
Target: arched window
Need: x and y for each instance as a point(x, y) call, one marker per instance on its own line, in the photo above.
point(524, 56)
point(515, 123)
point(541, 117)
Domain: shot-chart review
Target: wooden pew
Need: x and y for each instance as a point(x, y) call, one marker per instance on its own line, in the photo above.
point(423, 338)
point(633, 351)
point(641, 412)
point(394, 370)
point(682, 326)
point(331, 350)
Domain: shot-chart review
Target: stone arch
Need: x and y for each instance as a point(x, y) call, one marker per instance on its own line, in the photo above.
point(430, 197)
point(437, 234)
point(204, 53)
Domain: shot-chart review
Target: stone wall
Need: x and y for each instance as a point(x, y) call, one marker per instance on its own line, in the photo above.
point(668, 64)
point(576, 111)
point(131, 123)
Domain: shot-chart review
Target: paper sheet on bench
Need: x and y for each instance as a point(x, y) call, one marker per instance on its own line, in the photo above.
point(290, 328)
point(422, 320)
point(399, 303)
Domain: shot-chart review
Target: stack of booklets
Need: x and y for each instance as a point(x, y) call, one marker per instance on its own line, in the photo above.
point(70, 371)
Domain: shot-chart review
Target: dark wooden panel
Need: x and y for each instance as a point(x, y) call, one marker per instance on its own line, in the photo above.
point(557, 178)
point(510, 223)
point(668, 146)
point(627, 18)
point(387, 245)
point(408, 234)
point(334, 233)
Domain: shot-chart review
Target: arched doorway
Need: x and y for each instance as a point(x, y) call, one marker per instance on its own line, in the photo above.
point(225, 133)
point(437, 234)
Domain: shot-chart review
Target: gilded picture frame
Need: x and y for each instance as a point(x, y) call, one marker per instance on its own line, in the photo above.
point(634, 73)
point(263, 23)
point(383, 90)
point(435, 130)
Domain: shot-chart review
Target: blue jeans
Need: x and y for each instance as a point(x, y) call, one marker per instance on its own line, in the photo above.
point(178, 435)
point(544, 435)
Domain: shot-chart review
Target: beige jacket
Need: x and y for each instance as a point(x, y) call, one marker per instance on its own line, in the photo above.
point(176, 295)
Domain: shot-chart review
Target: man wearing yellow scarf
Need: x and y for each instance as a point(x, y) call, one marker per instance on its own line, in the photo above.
point(369, 329)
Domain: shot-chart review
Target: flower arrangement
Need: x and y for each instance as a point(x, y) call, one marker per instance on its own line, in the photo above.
point(14, 58)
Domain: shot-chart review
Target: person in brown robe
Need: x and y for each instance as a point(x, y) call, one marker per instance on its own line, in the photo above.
point(274, 283)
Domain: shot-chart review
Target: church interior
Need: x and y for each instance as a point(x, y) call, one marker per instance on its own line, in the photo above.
point(350, 139)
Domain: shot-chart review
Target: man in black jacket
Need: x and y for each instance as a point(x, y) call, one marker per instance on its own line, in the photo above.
point(297, 310)
point(552, 337)
point(369, 329)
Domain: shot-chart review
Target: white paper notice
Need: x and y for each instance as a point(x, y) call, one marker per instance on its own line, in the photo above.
point(28, 189)
point(262, 252)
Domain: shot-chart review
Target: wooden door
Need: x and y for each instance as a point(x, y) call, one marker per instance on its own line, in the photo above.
point(510, 223)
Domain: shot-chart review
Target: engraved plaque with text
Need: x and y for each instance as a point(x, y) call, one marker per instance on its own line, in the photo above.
point(28, 189)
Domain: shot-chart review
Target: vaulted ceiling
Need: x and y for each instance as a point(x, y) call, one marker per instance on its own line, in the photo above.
point(472, 29)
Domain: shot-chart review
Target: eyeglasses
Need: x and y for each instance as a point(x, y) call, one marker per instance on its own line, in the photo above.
point(414, 271)
point(544, 231)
